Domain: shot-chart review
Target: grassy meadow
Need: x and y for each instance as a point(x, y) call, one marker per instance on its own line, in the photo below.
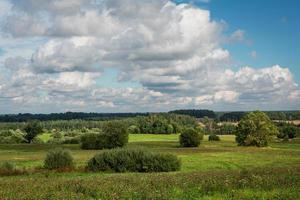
point(215, 170)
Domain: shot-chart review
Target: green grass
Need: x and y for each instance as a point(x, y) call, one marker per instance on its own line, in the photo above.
point(215, 170)
point(45, 137)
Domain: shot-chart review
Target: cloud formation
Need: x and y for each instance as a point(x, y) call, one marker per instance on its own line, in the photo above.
point(174, 51)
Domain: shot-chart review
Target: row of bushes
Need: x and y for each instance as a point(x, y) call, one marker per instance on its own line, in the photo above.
point(120, 160)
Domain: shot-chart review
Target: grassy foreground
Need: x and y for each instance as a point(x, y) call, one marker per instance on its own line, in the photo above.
point(215, 170)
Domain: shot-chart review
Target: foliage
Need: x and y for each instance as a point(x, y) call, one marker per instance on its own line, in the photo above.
point(32, 129)
point(190, 138)
point(37, 140)
point(133, 129)
point(271, 183)
point(225, 129)
point(91, 141)
point(213, 137)
point(71, 140)
point(288, 131)
point(113, 135)
point(164, 123)
point(196, 113)
point(232, 116)
point(133, 161)
point(12, 137)
point(66, 116)
point(58, 159)
point(255, 129)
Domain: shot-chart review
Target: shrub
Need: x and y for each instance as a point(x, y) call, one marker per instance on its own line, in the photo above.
point(58, 159)
point(8, 168)
point(133, 161)
point(12, 137)
point(189, 138)
point(32, 129)
point(281, 135)
point(55, 141)
point(18, 137)
point(133, 129)
point(71, 140)
point(255, 129)
point(200, 131)
point(288, 131)
point(37, 140)
point(113, 135)
point(93, 141)
point(213, 137)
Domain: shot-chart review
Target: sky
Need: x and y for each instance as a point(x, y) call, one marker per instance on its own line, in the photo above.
point(148, 56)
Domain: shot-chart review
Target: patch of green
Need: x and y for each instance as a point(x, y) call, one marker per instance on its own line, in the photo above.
point(153, 137)
point(271, 183)
point(214, 170)
point(45, 137)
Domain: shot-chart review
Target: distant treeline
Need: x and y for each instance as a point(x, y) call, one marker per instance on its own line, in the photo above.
point(221, 116)
point(196, 113)
point(274, 115)
point(66, 116)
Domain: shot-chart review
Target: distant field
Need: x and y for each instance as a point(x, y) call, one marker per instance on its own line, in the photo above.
point(249, 172)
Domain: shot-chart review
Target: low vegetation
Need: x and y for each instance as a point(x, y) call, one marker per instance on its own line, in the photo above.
point(133, 161)
point(190, 138)
point(113, 135)
point(213, 137)
point(212, 170)
point(59, 159)
point(288, 132)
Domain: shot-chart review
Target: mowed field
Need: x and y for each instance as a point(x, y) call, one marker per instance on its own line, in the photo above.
point(215, 170)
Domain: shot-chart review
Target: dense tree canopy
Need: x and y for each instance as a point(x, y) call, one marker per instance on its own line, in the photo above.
point(32, 129)
point(255, 129)
point(196, 113)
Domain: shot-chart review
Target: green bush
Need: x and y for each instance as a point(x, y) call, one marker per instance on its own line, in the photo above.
point(37, 140)
point(93, 141)
point(9, 168)
point(190, 138)
point(255, 129)
point(113, 135)
point(213, 137)
point(58, 159)
point(133, 129)
point(55, 141)
point(133, 161)
point(288, 131)
point(12, 137)
point(32, 129)
point(71, 140)
point(201, 132)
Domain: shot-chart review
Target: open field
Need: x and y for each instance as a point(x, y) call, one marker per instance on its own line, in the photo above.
point(215, 170)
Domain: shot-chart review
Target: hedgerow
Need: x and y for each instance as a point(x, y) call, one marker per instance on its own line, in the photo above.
point(133, 161)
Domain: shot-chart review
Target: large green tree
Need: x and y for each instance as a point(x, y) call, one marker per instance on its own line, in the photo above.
point(32, 129)
point(255, 129)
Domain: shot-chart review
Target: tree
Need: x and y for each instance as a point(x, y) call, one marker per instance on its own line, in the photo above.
point(288, 131)
point(116, 134)
point(189, 138)
point(32, 129)
point(255, 129)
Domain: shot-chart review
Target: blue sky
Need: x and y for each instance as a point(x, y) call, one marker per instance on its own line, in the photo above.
point(129, 55)
point(272, 26)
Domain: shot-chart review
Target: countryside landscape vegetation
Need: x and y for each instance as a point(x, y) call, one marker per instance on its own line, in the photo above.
point(158, 100)
point(158, 156)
